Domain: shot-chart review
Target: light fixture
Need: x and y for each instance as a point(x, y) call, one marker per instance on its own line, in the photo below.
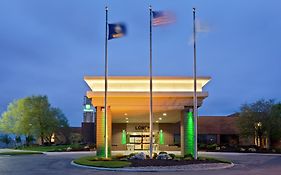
point(160, 118)
point(87, 106)
point(125, 114)
point(157, 121)
point(127, 121)
point(164, 114)
point(127, 118)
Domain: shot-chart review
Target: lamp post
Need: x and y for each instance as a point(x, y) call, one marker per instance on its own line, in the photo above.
point(258, 127)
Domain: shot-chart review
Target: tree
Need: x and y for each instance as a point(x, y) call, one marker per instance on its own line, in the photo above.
point(11, 121)
point(33, 116)
point(5, 139)
point(261, 119)
point(18, 140)
point(275, 122)
point(62, 124)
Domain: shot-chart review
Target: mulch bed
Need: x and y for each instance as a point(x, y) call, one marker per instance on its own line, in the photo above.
point(155, 162)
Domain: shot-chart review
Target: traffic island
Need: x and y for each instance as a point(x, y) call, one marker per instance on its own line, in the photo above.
point(151, 165)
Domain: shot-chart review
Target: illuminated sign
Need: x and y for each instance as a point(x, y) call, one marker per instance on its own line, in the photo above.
point(87, 106)
point(141, 127)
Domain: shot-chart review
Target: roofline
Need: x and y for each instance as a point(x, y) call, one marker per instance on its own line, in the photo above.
point(90, 94)
point(218, 116)
point(147, 77)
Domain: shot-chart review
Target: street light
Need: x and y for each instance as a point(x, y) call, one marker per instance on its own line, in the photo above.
point(258, 127)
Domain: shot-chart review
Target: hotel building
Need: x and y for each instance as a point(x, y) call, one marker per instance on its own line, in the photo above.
point(128, 112)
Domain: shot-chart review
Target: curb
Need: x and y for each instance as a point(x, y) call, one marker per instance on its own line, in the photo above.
point(241, 153)
point(153, 169)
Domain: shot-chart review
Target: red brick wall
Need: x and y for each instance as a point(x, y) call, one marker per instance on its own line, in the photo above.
point(217, 125)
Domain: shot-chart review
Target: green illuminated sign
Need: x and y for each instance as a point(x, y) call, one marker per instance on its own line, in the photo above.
point(161, 137)
point(87, 106)
point(124, 139)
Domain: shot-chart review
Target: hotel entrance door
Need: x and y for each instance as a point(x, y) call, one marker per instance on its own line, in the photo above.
point(140, 141)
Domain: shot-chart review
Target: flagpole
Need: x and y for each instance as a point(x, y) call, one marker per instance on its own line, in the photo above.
point(105, 83)
point(150, 83)
point(195, 87)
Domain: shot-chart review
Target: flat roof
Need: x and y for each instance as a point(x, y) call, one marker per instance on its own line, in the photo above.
point(141, 83)
point(130, 95)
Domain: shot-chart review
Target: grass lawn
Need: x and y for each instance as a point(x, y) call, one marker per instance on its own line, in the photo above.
point(52, 148)
point(17, 153)
point(92, 161)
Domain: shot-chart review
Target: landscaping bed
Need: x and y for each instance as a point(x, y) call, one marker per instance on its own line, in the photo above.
point(155, 162)
point(237, 148)
point(135, 160)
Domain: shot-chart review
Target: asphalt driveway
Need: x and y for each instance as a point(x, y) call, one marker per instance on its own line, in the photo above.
point(59, 164)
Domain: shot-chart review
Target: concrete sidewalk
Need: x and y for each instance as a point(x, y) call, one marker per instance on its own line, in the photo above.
point(6, 150)
point(14, 150)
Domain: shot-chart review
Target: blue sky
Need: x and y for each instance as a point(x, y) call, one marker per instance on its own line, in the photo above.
point(46, 47)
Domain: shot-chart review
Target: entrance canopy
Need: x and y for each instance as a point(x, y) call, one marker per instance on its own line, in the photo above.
point(128, 96)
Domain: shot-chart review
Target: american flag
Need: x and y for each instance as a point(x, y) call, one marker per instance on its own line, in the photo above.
point(162, 18)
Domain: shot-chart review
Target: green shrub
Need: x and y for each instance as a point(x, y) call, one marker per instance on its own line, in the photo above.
point(76, 147)
point(132, 154)
point(188, 157)
point(92, 146)
point(120, 156)
point(172, 155)
point(201, 146)
point(202, 158)
point(212, 146)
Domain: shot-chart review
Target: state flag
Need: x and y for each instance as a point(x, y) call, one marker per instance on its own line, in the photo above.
point(117, 30)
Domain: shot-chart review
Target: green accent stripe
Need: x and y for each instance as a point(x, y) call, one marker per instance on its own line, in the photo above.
point(161, 137)
point(190, 134)
point(124, 138)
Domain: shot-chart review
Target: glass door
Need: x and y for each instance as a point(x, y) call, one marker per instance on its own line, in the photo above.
point(140, 141)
